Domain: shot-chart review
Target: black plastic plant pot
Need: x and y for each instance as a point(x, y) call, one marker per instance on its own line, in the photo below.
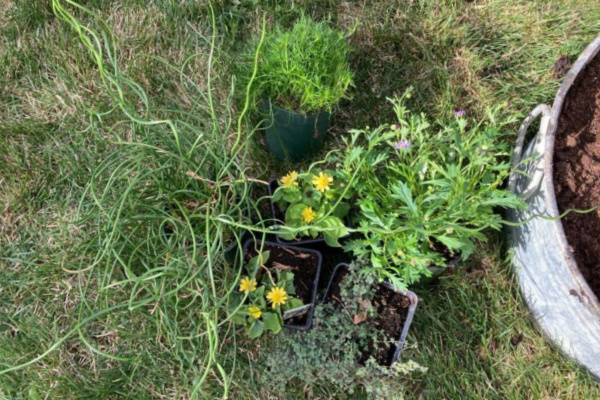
point(394, 352)
point(307, 271)
point(273, 185)
point(436, 272)
point(292, 136)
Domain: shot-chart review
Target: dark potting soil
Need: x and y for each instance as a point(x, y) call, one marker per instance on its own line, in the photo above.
point(577, 170)
point(302, 264)
point(391, 312)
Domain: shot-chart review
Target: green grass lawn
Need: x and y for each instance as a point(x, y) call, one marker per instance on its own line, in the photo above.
point(93, 305)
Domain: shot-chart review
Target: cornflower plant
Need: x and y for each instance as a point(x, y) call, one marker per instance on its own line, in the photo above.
point(425, 193)
point(314, 202)
point(260, 308)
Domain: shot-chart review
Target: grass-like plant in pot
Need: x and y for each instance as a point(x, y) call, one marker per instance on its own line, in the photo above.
point(302, 73)
point(425, 193)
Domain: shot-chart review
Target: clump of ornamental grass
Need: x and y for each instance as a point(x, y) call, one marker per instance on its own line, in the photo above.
point(303, 69)
point(174, 291)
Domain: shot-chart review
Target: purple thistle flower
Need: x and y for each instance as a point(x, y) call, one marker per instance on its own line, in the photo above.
point(460, 113)
point(403, 145)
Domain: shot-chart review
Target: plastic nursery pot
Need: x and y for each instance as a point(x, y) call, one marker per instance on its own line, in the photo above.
point(307, 271)
point(292, 136)
point(436, 272)
point(394, 352)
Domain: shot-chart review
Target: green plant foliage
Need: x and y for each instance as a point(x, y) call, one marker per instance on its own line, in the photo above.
point(424, 191)
point(314, 202)
point(304, 69)
point(251, 308)
point(330, 353)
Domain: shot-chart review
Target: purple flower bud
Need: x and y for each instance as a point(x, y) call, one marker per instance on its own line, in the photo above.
point(403, 145)
point(460, 113)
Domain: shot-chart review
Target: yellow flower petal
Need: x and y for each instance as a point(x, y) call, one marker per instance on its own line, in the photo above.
point(290, 179)
point(308, 215)
point(322, 182)
point(247, 285)
point(254, 312)
point(277, 296)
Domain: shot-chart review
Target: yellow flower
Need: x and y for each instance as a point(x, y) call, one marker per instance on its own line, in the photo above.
point(254, 312)
point(322, 182)
point(308, 215)
point(247, 285)
point(277, 296)
point(290, 179)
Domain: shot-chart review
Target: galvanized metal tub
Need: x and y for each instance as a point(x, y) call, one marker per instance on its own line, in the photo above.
point(561, 303)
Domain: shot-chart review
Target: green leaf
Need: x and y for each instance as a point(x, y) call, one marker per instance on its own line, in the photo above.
point(294, 212)
point(341, 210)
point(271, 322)
point(254, 263)
point(333, 228)
point(449, 242)
point(255, 329)
point(239, 317)
point(258, 293)
point(278, 195)
point(292, 196)
point(286, 235)
point(288, 276)
point(293, 303)
point(33, 394)
point(401, 192)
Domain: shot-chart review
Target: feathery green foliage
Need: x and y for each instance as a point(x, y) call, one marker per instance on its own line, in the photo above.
point(304, 69)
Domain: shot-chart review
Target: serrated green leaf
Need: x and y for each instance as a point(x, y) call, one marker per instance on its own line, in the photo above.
point(401, 192)
point(451, 243)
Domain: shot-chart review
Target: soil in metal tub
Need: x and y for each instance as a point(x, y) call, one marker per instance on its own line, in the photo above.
point(577, 170)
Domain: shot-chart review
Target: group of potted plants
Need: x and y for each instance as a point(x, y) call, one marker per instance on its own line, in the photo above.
point(405, 199)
